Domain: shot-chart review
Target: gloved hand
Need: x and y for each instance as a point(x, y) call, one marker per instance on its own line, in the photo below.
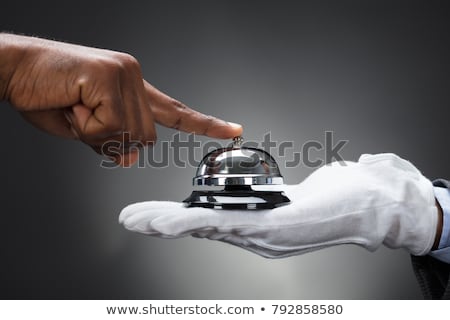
point(381, 199)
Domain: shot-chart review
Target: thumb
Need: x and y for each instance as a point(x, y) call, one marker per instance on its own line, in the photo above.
point(174, 114)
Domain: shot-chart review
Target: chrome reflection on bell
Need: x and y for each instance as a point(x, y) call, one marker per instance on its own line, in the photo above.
point(237, 168)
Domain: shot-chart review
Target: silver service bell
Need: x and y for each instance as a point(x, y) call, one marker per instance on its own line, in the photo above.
point(237, 168)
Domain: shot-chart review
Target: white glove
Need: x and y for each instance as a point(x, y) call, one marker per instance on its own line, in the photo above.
point(381, 199)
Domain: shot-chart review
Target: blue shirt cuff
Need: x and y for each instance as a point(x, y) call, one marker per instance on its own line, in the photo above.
point(443, 252)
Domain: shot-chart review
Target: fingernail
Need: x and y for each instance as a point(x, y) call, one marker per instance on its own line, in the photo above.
point(234, 125)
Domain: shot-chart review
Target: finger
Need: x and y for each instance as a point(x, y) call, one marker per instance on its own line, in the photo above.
point(88, 127)
point(138, 217)
point(98, 123)
point(145, 117)
point(151, 209)
point(140, 222)
point(174, 114)
point(197, 220)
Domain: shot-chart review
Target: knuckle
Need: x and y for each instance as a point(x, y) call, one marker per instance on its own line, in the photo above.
point(113, 59)
point(104, 67)
point(115, 64)
point(126, 61)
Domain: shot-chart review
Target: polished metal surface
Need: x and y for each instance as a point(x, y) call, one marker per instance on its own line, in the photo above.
point(237, 165)
point(243, 198)
point(237, 168)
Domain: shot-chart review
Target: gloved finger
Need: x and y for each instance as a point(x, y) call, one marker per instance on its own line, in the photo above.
point(201, 219)
point(152, 208)
point(174, 114)
point(137, 217)
point(192, 220)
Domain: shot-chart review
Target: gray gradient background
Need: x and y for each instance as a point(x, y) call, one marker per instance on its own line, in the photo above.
point(375, 72)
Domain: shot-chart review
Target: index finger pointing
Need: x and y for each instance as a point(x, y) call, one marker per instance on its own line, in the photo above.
point(174, 114)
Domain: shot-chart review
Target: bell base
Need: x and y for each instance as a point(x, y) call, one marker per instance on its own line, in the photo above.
point(237, 198)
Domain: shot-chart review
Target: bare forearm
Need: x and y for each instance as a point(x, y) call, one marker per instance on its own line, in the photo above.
point(12, 49)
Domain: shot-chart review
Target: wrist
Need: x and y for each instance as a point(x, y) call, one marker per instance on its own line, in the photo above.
point(12, 51)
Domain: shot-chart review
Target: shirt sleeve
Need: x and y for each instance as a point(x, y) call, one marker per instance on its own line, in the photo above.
point(443, 252)
point(432, 273)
